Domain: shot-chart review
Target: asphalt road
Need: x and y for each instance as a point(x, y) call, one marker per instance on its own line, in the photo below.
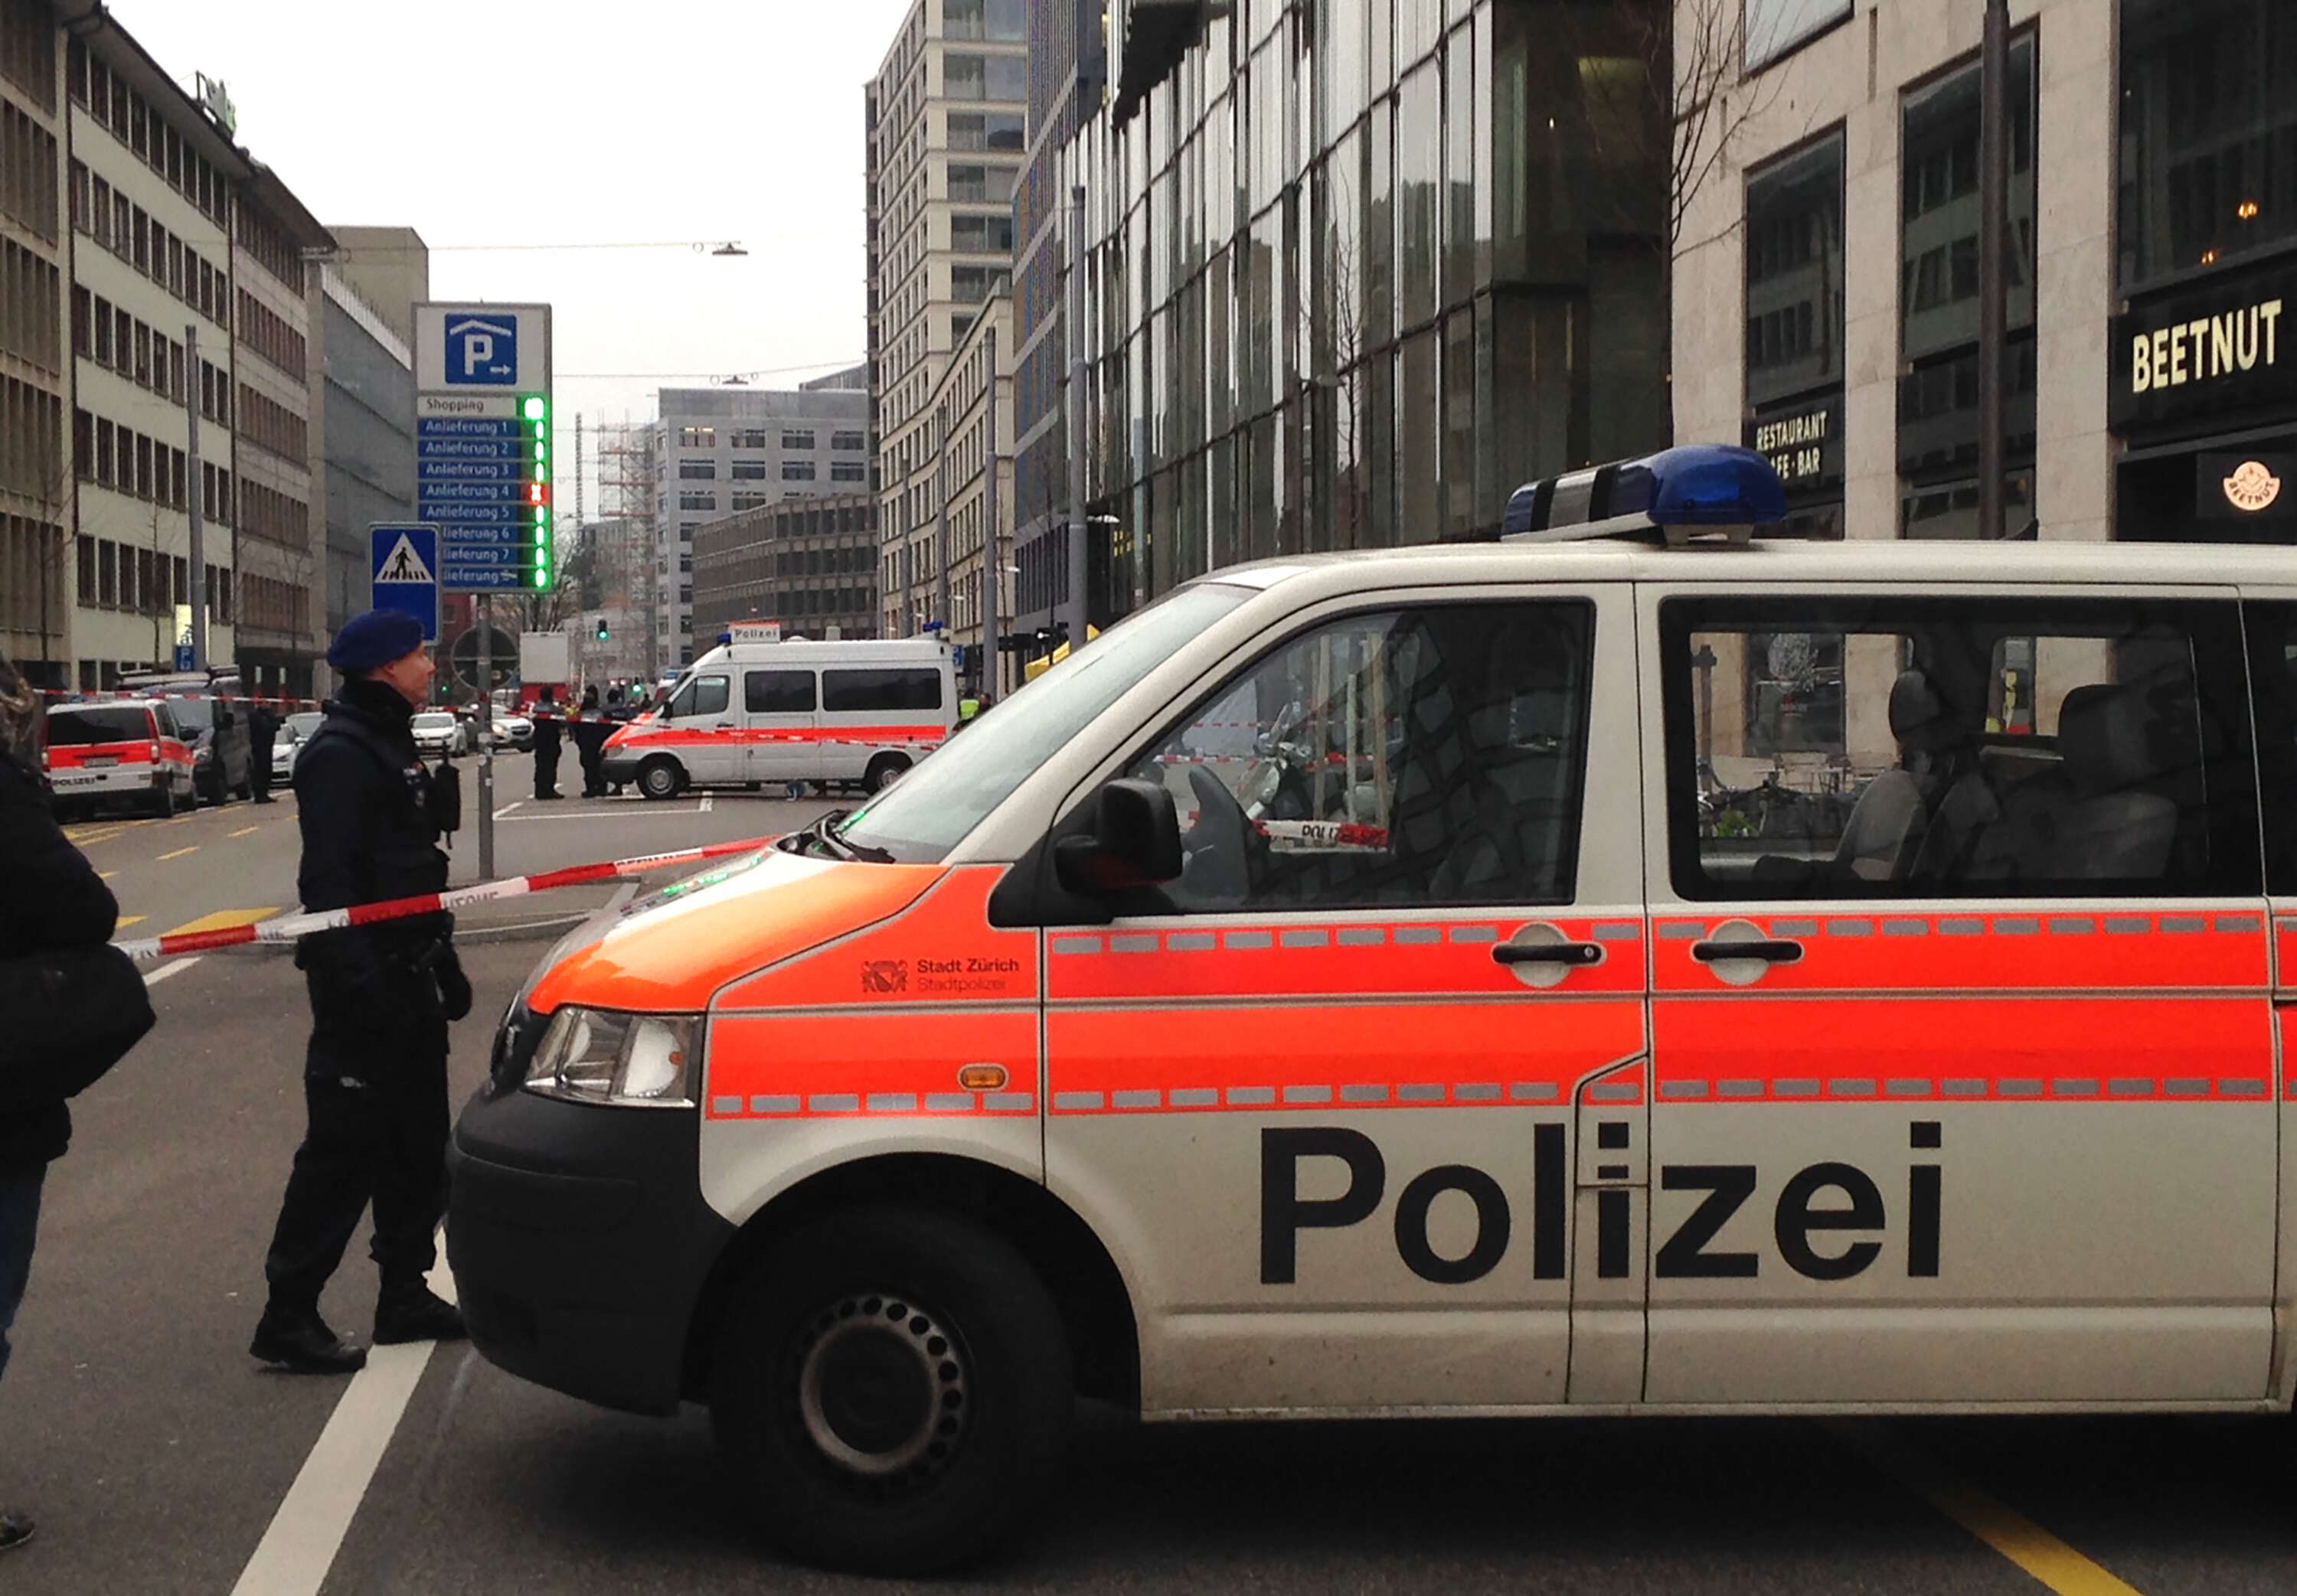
point(156, 1455)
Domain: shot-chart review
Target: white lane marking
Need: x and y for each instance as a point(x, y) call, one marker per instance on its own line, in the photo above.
point(166, 970)
point(506, 807)
point(705, 808)
point(297, 1550)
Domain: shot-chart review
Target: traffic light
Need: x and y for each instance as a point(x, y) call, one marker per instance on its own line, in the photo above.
point(602, 629)
point(534, 446)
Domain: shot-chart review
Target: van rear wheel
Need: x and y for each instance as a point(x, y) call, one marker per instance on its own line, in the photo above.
point(661, 777)
point(891, 1387)
point(884, 771)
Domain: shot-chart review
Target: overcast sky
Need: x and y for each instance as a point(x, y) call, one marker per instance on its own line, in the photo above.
point(577, 121)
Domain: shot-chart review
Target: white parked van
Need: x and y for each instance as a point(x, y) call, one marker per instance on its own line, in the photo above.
point(745, 713)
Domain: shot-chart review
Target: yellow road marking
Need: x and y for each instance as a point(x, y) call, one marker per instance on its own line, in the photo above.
point(179, 853)
point(2015, 1536)
point(128, 920)
point(223, 919)
point(246, 831)
point(105, 874)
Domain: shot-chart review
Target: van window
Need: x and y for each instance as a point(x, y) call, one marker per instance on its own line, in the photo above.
point(879, 689)
point(2272, 629)
point(777, 692)
point(86, 727)
point(1903, 747)
point(701, 696)
point(1431, 756)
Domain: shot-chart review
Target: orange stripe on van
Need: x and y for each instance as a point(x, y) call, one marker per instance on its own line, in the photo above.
point(1308, 959)
point(2043, 949)
point(1354, 1056)
point(807, 1065)
point(1977, 1049)
point(937, 949)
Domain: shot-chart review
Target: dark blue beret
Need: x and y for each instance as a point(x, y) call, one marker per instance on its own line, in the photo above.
point(371, 641)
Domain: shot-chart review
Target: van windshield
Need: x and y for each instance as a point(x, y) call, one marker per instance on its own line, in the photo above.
point(920, 817)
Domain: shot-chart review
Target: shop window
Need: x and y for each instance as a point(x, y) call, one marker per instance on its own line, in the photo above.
point(1794, 315)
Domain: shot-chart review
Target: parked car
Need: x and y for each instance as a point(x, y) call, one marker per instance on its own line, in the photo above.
point(222, 756)
point(440, 731)
point(294, 731)
point(513, 729)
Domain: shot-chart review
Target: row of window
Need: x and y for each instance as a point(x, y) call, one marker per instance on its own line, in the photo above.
point(28, 172)
point(792, 437)
point(269, 604)
point(985, 76)
point(31, 447)
point(110, 102)
point(27, 306)
point(264, 421)
point(274, 516)
point(103, 332)
point(116, 457)
point(270, 335)
point(107, 216)
point(145, 582)
point(793, 470)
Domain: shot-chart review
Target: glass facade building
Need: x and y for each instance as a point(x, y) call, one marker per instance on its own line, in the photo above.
point(1354, 272)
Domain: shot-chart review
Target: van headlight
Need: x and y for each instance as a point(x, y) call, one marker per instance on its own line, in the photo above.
point(623, 1060)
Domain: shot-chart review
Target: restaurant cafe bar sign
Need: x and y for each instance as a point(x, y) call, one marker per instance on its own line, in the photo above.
point(2216, 348)
point(1803, 445)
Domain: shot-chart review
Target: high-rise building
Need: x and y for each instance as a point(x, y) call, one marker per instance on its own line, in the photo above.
point(36, 483)
point(1354, 273)
point(281, 548)
point(1827, 287)
point(809, 563)
point(367, 434)
point(947, 119)
point(717, 451)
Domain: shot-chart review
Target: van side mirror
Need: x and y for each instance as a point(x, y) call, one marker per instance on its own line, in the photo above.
point(1133, 839)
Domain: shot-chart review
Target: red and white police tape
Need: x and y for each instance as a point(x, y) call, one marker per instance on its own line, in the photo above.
point(288, 928)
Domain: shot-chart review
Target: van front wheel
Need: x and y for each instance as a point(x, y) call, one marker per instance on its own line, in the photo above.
point(890, 1388)
point(661, 777)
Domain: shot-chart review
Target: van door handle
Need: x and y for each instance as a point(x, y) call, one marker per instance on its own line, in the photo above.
point(1575, 954)
point(1770, 951)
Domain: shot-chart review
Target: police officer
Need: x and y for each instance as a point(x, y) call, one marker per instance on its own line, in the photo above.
point(375, 1074)
point(547, 729)
point(263, 736)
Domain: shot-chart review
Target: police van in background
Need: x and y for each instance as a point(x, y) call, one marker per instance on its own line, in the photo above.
point(1626, 966)
point(759, 709)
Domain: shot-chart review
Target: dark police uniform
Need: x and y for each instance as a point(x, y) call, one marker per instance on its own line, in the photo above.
point(547, 729)
point(374, 1075)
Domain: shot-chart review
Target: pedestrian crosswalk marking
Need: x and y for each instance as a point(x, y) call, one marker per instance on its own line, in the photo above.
point(403, 565)
point(224, 920)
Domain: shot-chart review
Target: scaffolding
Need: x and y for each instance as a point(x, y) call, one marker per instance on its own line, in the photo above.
point(629, 539)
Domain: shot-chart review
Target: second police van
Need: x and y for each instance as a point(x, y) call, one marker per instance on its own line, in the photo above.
point(758, 710)
point(1658, 972)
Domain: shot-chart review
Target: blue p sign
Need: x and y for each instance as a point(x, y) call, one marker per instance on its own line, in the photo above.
point(482, 351)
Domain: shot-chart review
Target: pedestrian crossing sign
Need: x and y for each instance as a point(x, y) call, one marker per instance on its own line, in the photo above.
point(404, 572)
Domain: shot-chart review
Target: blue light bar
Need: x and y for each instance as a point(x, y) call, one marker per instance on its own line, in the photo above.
point(1693, 485)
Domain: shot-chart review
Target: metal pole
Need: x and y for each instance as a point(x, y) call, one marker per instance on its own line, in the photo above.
point(483, 603)
point(192, 387)
point(1993, 239)
point(1078, 604)
point(941, 522)
point(993, 666)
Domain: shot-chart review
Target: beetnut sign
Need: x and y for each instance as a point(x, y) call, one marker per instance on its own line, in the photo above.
point(2216, 348)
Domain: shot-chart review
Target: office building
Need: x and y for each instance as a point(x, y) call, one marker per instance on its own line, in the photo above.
point(280, 548)
point(809, 563)
point(366, 433)
point(947, 125)
point(972, 496)
point(718, 451)
point(36, 589)
point(1355, 272)
point(2152, 207)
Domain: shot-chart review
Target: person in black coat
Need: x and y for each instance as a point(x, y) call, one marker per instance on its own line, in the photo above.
point(50, 898)
point(591, 729)
point(262, 732)
point(548, 725)
point(375, 1074)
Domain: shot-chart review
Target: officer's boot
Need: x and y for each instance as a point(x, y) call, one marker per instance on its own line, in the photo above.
point(298, 1341)
point(414, 1313)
